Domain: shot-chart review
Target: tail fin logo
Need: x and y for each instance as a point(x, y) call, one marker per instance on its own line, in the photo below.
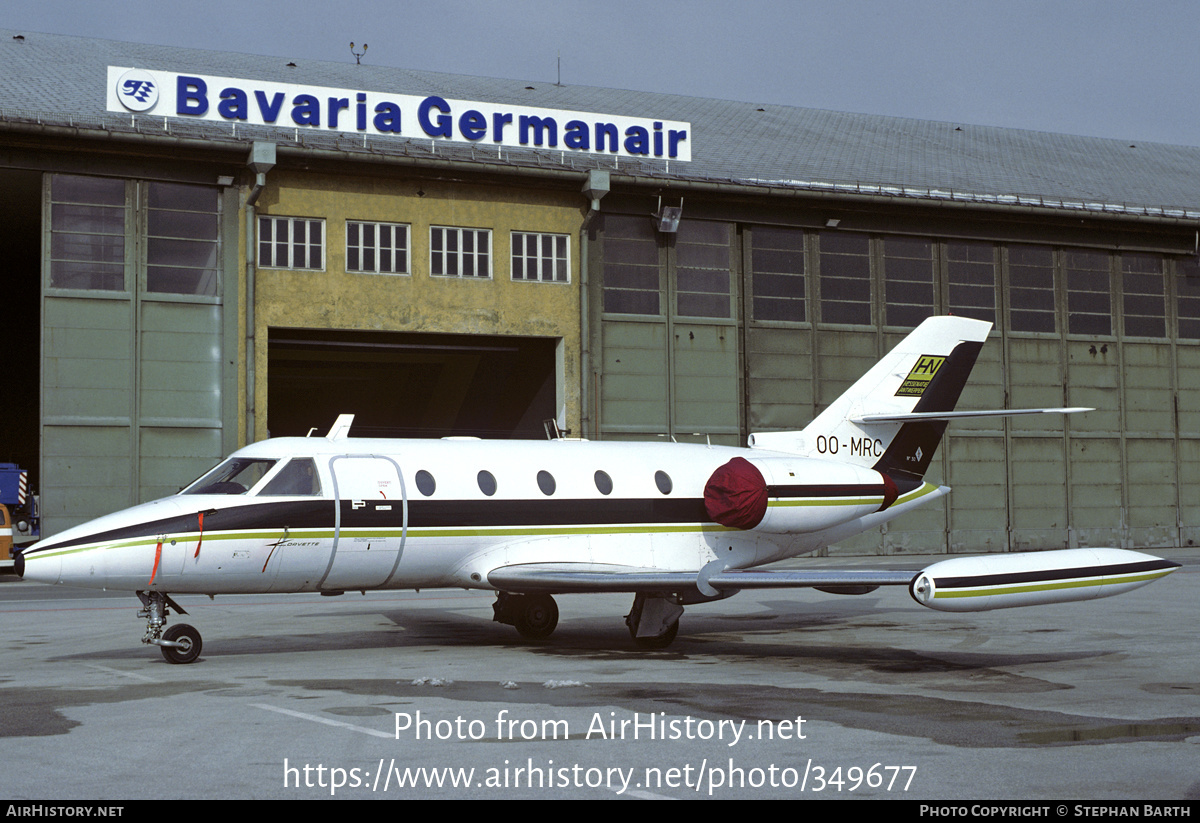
point(922, 373)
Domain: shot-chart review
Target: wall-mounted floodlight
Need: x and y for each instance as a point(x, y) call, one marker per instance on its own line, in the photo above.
point(832, 223)
point(668, 217)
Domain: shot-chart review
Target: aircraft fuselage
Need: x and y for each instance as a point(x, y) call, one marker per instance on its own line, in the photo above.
point(400, 514)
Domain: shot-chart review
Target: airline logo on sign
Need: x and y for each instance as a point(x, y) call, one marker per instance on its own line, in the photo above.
point(918, 379)
point(137, 90)
point(354, 111)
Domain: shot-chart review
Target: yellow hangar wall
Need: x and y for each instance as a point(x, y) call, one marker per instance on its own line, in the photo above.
point(333, 297)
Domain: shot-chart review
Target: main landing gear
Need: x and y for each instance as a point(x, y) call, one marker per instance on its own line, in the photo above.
point(534, 615)
point(180, 643)
point(653, 620)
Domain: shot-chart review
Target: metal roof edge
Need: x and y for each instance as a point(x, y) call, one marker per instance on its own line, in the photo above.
point(645, 176)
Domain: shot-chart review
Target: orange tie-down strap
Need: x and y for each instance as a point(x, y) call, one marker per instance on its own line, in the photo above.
point(157, 558)
point(201, 540)
point(158, 551)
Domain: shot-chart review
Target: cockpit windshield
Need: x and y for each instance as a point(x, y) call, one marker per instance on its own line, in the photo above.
point(237, 475)
point(297, 478)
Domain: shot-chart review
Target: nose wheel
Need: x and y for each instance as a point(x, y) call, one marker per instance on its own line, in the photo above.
point(187, 643)
point(180, 643)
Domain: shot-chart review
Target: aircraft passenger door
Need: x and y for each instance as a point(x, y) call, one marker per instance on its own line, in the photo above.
point(370, 522)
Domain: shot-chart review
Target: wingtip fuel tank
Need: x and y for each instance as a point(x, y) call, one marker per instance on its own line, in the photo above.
point(974, 584)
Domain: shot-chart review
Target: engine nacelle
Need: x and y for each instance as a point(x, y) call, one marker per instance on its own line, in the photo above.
point(1001, 581)
point(794, 495)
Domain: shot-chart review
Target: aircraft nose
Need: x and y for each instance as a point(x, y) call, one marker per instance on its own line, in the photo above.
point(39, 568)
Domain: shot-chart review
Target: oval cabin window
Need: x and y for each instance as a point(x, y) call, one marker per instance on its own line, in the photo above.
point(663, 481)
point(425, 483)
point(603, 483)
point(487, 483)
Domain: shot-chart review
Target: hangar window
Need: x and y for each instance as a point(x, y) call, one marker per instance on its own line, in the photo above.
point(460, 252)
point(184, 243)
point(702, 269)
point(174, 231)
point(546, 483)
point(777, 265)
point(1031, 288)
point(845, 281)
point(1143, 300)
point(87, 233)
point(631, 275)
point(1089, 295)
point(1187, 291)
point(541, 257)
point(291, 243)
point(908, 280)
point(971, 276)
point(377, 248)
point(487, 482)
point(425, 483)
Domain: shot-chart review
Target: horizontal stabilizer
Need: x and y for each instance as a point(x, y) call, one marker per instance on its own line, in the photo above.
point(954, 415)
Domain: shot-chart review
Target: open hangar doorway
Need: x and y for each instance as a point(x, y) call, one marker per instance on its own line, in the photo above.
point(405, 384)
point(21, 234)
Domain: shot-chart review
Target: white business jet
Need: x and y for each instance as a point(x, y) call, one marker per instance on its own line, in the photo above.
point(673, 524)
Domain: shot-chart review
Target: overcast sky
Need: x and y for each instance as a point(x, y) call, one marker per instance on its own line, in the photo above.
point(1129, 70)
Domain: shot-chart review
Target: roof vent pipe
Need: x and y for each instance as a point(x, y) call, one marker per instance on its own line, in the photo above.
point(261, 161)
point(594, 187)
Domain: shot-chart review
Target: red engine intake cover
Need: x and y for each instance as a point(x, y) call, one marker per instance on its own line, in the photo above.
point(736, 495)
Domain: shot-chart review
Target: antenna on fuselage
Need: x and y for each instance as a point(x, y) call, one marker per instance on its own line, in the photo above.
point(341, 427)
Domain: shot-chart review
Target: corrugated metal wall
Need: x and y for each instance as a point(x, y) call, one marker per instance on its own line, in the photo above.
point(1116, 331)
point(136, 391)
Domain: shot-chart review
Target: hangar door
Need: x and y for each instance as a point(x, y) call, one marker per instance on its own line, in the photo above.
point(668, 331)
point(401, 384)
point(134, 395)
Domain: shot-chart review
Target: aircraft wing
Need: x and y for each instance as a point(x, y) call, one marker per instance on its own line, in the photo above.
point(966, 583)
point(565, 578)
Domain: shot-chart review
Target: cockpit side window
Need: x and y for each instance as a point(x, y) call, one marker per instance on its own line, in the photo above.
point(297, 478)
point(237, 475)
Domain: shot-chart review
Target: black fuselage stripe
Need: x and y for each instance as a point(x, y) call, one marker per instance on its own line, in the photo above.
point(319, 514)
point(427, 514)
point(828, 490)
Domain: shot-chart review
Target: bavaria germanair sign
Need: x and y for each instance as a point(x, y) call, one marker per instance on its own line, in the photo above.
point(374, 113)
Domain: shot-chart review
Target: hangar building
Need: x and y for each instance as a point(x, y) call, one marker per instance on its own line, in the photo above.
point(205, 249)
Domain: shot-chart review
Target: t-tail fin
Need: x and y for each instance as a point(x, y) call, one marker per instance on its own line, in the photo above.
point(871, 424)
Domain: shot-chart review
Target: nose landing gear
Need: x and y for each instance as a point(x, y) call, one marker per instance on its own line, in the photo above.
point(180, 643)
